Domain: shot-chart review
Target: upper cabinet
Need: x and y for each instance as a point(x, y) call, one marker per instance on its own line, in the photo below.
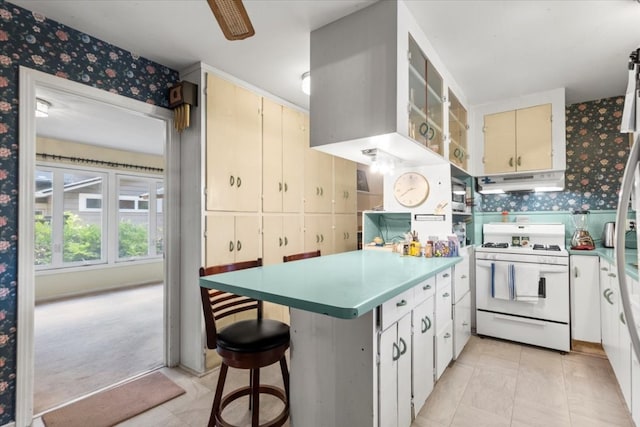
point(425, 100)
point(518, 141)
point(521, 135)
point(379, 84)
point(458, 126)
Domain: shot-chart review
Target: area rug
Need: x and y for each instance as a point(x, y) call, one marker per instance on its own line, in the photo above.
point(115, 405)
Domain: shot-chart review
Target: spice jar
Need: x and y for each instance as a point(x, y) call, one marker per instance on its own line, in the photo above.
point(505, 216)
point(428, 249)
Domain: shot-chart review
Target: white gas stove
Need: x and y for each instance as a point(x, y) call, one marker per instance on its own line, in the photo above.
point(522, 284)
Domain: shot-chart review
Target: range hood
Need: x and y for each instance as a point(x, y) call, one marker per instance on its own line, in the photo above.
point(536, 181)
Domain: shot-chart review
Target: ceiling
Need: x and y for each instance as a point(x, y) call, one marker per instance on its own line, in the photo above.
point(493, 49)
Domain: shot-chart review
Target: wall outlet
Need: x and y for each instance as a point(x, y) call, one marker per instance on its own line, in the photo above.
point(631, 225)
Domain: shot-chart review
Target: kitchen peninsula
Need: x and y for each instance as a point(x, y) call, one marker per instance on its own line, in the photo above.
point(340, 304)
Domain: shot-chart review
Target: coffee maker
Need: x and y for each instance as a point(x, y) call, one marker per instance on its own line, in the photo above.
point(581, 239)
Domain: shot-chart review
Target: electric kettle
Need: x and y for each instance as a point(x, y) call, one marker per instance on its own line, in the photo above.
point(608, 234)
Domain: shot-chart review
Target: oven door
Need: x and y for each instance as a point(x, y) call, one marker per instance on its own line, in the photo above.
point(553, 305)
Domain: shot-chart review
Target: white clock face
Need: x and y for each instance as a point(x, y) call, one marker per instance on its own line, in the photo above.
point(411, 189)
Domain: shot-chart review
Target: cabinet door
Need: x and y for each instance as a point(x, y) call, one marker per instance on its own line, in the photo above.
point(423, 326)
point(461, 324)
point(318, 233)
point(444, 349)
point(220, 131)
point(461, 277)
point(318, 175)
point(345, 194)
point(234, 136)
point(533, 138)
point(272, 182)
point(345, 234)
point(443, 305)
point(388, 377)
point(585, 301)
point(281, 236)
point(231, 239)
point(295, 137)
point(404, 371)
point(624, 358)
point(500, 142)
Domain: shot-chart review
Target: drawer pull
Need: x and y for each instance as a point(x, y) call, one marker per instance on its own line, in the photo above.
point(445, 295)
point(465, 323)
point(464, 276)
point(425, 287)
point(426, 324)
point(401, 303)
point(604, 269)
point(447, 335)
point(622, 319)
point(612, 275)
point(445, 275)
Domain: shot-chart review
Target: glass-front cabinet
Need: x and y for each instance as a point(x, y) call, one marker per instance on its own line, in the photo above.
point(457, 132)
point(425, 100)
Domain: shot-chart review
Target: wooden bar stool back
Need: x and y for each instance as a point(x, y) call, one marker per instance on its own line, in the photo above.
point(245, 344)
point(304, 255)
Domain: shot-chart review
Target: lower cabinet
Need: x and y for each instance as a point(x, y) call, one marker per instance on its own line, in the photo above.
point(281, 235)
point(423, 356)
point(461, 324)
point(395, 374)
point(585, 298)
point(444, 322)
point(231, 238)
point(318, 233)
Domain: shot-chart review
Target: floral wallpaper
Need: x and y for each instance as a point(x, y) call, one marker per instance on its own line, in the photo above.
point(596, 157)
point(31, 40)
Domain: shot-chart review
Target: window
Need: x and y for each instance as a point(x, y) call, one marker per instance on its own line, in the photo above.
point(72, 211)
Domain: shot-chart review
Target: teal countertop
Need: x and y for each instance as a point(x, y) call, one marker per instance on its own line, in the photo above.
point(344, 285)
point(631, 257)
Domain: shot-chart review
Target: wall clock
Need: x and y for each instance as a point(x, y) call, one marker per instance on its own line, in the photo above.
point(411, 189)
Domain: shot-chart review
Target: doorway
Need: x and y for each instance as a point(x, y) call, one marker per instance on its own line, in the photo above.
point(32, 84)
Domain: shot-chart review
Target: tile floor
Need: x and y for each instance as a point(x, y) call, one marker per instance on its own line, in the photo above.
point(493, 383)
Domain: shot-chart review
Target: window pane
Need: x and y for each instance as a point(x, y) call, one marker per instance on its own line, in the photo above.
point(133, 228)
point(94, 204)
point(42, 217)
point(82, 231)
point(159, 218)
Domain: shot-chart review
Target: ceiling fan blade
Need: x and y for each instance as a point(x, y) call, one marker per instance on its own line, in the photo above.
point(232, 18)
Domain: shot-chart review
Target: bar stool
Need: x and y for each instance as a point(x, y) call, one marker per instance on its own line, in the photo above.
point(303, 255)
point(245, 344)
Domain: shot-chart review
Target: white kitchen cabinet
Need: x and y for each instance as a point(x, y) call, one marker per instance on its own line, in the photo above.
point(345, 235)
point(423, 352)
point(234, 138)
point(318, 233)
point(395, 374)
point(444, 322)
point(281, 235)
point(623, 373)
point(609, 310)
point(231, 238)
point(318, 185)
point(461, 273)
point(584, 281)
point(461, 324)
point(284, 138)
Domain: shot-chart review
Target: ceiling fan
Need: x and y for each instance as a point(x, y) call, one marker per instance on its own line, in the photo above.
point(232, 18)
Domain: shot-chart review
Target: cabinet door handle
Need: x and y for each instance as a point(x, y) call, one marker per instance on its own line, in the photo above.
point(575, 271)
point(464, 276)
point(445, 295)
point(465, 323)
point(317, 238)
point(238, 182)
point(286, 187)
point(231, 246)
point(445, 275)
point(604, 269)
point(280, 241)
point(622, 319)
point(612, 275)
point(317, 191)
point(404, 347)
point(346, 195)
point(321, 191)
point(286, 241)
point(425, 287)
point(426, 324)
point(511, 162)
point(395, 354)
point(232, 181)
point(447, 335)
point(239, 245)
point(280, 186)
point(348, 235)
point(321, 238)
point(401, 303)
point(519, 163)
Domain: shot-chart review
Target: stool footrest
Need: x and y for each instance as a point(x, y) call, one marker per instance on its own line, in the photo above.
point(246, 391)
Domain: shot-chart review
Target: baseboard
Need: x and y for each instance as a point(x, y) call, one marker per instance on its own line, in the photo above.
point(589, 348)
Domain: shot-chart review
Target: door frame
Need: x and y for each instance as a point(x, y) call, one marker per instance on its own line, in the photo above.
point(29, 80)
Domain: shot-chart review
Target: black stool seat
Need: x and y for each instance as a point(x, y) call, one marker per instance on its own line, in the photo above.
point(253, 336)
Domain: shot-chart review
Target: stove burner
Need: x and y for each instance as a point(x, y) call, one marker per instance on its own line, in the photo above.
point(495, 245)
point(546, 247)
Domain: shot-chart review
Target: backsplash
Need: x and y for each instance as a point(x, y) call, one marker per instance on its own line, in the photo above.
point(31, 40)
point(596, 157)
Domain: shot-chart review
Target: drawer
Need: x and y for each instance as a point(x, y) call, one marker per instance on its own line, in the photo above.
point(425, 289)
point(444, 349)
point(461, 279)
point(396, 307)
point(443, 304)
point(443, 278)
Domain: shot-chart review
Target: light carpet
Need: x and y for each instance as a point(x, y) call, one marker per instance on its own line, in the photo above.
point(117, 404)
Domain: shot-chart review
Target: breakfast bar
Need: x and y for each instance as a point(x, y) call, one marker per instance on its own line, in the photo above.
point(336, 316)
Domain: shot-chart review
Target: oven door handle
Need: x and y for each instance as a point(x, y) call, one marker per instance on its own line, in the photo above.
point(519, 320)
point(544, 268)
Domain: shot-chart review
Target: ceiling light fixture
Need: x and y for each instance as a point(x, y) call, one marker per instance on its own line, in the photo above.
point(381, 161)
point(306, 82)
point(42, 108)
point(232, 18)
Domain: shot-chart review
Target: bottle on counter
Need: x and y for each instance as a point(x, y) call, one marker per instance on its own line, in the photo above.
point(505, 216)
point(428, 249)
